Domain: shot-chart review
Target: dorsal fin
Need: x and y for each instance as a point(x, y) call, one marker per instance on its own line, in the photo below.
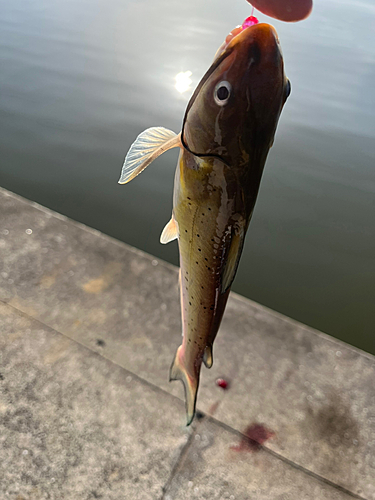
point(170, 232)
point(145, 149)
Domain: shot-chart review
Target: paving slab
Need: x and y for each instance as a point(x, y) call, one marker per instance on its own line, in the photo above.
point(214, 468)
point(73, 425)
point(315, 393)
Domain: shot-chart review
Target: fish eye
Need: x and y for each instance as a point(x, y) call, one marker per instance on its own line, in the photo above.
point(288, 89)
point(222, 93)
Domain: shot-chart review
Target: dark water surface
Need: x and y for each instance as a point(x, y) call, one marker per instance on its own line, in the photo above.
point(80, 79)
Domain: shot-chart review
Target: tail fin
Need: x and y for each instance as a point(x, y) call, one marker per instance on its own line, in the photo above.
point(179, 372)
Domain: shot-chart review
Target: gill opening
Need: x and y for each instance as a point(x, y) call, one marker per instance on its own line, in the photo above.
point(202, 155)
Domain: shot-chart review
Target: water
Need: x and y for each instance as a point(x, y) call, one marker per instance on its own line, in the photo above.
point(80, 79)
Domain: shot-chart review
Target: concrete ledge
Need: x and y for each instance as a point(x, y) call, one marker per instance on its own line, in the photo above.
point(82, 315)
point(74, 425)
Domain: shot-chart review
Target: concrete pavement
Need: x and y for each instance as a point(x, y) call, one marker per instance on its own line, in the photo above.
point(88, 329)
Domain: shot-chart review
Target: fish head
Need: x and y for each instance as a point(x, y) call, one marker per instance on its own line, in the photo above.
point(234, 111)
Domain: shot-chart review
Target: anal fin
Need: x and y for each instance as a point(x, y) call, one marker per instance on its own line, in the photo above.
point(207, 356)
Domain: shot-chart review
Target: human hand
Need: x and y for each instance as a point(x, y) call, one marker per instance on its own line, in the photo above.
point(284, 10)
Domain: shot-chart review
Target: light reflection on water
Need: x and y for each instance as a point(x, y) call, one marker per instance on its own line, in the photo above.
point(183, 81)
point(80, 80)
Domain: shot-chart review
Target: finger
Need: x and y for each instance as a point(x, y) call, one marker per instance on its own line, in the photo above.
point(284, 10)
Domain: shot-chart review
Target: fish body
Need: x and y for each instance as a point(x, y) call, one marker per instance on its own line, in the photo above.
point(209, 212)
point(228, 128)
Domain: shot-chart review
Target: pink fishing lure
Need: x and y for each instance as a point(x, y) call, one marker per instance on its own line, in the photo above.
point(250, 21)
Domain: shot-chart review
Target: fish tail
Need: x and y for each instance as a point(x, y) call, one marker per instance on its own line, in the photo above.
point(178, 372)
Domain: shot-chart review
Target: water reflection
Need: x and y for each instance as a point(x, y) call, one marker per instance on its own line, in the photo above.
point(183, 81)
point(80, 80)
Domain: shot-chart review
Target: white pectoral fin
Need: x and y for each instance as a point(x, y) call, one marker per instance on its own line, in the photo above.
point(145, 149)
point(233, 256)
point(170, 232)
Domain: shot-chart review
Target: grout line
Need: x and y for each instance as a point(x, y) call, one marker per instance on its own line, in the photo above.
point(177, 465)
point(296, 466)
point(198, 424)
point(102, 355)
point(316, 476)
point(205, 417)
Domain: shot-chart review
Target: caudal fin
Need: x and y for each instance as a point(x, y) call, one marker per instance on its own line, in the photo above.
point(178, 372)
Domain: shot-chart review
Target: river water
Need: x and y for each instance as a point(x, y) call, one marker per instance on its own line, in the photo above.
point(80, 79)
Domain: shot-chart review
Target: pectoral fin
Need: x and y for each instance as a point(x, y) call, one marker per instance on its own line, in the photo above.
point(233, 256)
point(145, 149)
point(170, 232)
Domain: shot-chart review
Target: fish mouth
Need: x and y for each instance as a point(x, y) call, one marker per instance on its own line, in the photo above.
point(238, 33)
point(249, 22)
point(235, 31)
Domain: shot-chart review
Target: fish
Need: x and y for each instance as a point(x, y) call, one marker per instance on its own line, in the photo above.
point(228, 128)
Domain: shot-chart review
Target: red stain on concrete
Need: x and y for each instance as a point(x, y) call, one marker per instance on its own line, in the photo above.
point(253, 438)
